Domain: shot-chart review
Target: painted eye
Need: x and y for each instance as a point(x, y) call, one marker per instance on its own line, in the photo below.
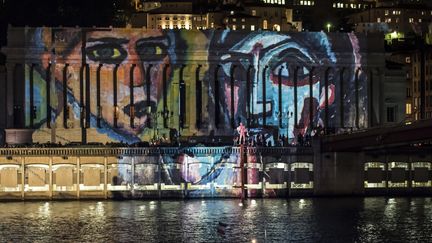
point(158, 50)
point(106, 53)
point(146, 50)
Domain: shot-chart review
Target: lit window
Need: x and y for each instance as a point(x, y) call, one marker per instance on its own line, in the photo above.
point(232, 12)
point(265, 24)
point(254, 12)
point(386, 12)
point(243, 27)
point(234, 27)
point(411, 20)
point(378, 20)
point(234, 19)
point(243, 20)
point(408, 109)
point(420, 20)
point(252, 27)
point(212, 25)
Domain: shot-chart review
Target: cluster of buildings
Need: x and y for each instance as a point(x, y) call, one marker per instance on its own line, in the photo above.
point(404, 25)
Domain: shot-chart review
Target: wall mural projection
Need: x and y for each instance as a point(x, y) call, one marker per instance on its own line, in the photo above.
point(132, 85)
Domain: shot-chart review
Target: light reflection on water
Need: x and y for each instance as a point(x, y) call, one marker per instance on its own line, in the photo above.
point(279, 220)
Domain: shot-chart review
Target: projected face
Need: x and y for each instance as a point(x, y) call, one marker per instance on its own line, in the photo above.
point(123, 48)
point(269, 52)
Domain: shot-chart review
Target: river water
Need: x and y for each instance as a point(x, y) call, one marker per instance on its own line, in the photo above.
point(373, 219)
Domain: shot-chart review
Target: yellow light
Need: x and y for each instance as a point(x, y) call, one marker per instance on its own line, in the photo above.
point(328, 27)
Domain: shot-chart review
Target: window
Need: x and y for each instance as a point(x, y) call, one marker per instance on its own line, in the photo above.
point(243, 27)
point(254, 12)
point(252, 27)
point(234, 20)
point(411, 20)
point(386, 12)
point(234, 27)
point(378, 20)
point(408, 109)
point(243, 20)
point(166, 18)
point(391, 114)
point(265, 24)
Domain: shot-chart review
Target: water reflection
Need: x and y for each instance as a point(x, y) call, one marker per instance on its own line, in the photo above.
point(257, 220)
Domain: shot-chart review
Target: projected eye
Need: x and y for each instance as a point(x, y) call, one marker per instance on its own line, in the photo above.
point(106, 53)
point(151, 50)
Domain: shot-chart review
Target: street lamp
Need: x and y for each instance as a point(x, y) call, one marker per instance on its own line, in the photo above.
point(328, 27)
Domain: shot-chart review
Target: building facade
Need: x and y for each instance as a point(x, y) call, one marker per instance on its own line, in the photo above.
point(100, 85)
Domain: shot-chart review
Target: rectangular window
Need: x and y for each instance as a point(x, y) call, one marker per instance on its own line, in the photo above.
point(254, 12)
point(252, 27)
point(408, 109)
point(391, 114)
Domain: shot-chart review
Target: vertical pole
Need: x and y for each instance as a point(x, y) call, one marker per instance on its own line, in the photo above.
point(133, 175)
point(78, 178)
point(48, 95)
point(232, 79)
point(311, 110)
point(87, 100)
point(198, 99)
point(148, 93)
point(65, 106)
point(164, 96)
point(50, 186)
point(242, 172)
point(264, 92)
point(32, 111)
point(341, 98)
point(248, 96)
point(326, 112)
point(280, 96)
point(295, 98)
point(23, 178)
point(356, 83)
point(159, 177)
point(115, 94)
point(216, 94)
point(105, 177)
point(98, 91)
point(131, 100)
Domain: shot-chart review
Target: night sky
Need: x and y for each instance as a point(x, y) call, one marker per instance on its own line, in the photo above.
point(61, 12)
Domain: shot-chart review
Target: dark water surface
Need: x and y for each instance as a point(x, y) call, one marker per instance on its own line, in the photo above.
point(274, 220)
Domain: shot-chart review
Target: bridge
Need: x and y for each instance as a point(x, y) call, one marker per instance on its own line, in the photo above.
point(383, 137)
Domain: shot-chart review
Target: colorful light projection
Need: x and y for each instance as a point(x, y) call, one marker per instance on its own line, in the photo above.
point(131, 84)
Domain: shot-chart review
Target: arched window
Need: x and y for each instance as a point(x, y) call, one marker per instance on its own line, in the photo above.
point(276, 27)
